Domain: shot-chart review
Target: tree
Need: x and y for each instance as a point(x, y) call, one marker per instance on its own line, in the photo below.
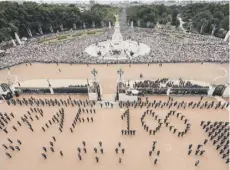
point(174, 17)
point(225, 23)
point(207, 18)
point(202, 20)
point(30, 18)
point(219, 15)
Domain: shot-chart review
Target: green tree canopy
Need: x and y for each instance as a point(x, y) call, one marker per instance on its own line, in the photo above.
point(204, 17)
point(31, 17)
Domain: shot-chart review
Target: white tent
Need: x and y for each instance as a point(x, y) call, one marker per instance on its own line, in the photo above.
point(24, 39)
point(135, 92)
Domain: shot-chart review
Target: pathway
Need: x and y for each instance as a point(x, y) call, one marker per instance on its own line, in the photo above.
point(15, 77)
point(181, 23)
point(225, 74)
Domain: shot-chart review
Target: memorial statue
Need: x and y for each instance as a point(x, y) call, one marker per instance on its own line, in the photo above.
point(117, 48)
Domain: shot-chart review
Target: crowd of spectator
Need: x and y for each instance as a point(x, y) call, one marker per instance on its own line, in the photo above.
point(166, 83)
point(166, 46)
point(172, 46)
point(161, 86)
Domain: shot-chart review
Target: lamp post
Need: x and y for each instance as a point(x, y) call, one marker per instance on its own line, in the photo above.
point(10, 82)
point(120, 73)
point(87, 82)
point(94, 73)
point(48, 82)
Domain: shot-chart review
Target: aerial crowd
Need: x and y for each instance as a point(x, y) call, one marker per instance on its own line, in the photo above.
point(165, 82)
point(218, 132)
point(161, 86)
point(166, 46)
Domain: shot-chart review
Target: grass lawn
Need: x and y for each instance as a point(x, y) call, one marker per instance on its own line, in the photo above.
point(69, 35)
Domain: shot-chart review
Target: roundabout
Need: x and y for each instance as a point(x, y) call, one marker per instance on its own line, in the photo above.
point(117, 48)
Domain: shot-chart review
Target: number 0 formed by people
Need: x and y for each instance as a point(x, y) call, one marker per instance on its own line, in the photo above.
point(166, 122)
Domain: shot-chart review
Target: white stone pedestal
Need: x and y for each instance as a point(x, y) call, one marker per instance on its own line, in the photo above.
point(211, 90)
point(168, 91)
point(51, 90)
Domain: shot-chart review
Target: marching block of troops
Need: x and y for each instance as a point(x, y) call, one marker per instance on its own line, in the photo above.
point(146, 127)
point(218, 134)
point(5, 119)
point(166, 122)
point(10, 148)
point(79, 119)
point(80, 152)
point(45, 150)
point(182, 118)
point(26, 119)
point(31, 101)
point(57, 118)
point(120, 151)
point(199, 151)
point(106, 104)
point(36, 113)
point(171, 104)
point(128, 131)
point(96, 150)
point(157, 153)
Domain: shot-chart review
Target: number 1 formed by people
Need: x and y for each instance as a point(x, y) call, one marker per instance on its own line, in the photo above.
point(127, 131)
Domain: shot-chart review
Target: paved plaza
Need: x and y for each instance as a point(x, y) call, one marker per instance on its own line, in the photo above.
point(107, 123)
point(107, 74)
point(107, 127)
